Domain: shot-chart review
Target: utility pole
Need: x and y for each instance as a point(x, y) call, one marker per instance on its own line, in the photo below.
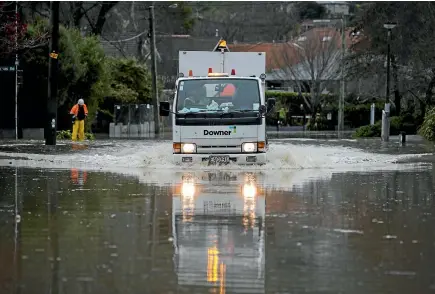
point(50, 128)
point(152, 36)
point(342, 82)
point(16, 70)
point(385, 129)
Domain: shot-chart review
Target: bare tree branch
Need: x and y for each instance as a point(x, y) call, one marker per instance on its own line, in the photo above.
point(13, 32)
point(310, 63)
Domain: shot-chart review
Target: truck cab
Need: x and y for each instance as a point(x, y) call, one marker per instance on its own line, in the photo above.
point(219, 117)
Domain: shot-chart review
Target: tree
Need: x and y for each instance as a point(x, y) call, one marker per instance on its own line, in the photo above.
point(412, 56)
point(14, 37)
point(130, 81)
point(245, 22)
point(82, 74)
point(310, 10)
point(310, 64)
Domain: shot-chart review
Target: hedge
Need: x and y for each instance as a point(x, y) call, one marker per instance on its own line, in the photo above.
point(427, 129)
point(355, 115)
point(397, 125)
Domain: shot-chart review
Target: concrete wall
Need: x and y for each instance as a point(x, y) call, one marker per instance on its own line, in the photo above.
point(33, 134)
point(7, 134)
point(28, 134)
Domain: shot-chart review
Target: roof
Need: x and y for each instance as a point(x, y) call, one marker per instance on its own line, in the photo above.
point(275, 52)
point(279, 55)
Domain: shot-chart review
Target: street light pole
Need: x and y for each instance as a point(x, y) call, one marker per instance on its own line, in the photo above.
point(385, 130)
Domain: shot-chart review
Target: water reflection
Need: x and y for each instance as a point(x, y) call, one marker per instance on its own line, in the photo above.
point(216, 232)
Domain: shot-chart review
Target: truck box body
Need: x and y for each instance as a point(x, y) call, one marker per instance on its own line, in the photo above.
point(245, 64)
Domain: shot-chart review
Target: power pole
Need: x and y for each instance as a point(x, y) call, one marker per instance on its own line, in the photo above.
point(152, 36)
point(16, 70)
point(342, 82)
point(385, 129)
point(51, 124)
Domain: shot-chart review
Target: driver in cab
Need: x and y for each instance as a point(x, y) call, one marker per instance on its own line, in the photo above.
point(194, 96)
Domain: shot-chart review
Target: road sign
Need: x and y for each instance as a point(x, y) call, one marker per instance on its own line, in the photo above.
point(7, 68)
point(221, 45)
point(54, 55)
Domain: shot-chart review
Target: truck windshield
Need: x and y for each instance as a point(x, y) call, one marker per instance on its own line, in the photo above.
point(213, 95)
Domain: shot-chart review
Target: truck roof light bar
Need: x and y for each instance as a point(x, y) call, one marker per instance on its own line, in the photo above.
point(215, 74)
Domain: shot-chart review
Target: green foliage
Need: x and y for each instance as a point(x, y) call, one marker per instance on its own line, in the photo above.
point(368, 131)
point(397, 125)
point(427, 129)
point(289, 100)
point(320, 124)
point(130, 81)
point(85, 72)
point(67, 135)
point(82, 70)
point(310, 10)
point(356, 115)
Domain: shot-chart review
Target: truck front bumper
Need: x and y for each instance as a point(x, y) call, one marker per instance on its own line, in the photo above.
point(240, 158)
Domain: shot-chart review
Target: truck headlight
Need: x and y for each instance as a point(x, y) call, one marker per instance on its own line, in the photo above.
point(188, 148)
point(249, 147)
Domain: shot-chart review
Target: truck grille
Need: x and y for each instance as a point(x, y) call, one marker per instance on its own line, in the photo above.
point(219, 146)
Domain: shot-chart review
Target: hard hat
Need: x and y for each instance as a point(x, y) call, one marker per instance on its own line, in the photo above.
point(81, 102)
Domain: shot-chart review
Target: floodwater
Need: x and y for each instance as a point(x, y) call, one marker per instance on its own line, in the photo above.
point(323, 216)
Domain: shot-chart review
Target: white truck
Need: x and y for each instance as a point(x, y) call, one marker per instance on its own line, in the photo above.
point(218, 224)
point(219, 108)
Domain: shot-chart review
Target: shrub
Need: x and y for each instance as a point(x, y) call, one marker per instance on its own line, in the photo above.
point(66, 135)
point(397, 124)
point(368, 131)
point(320, 124)
point(427, 129)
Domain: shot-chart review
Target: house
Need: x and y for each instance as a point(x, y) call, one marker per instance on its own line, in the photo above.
point(314, 55)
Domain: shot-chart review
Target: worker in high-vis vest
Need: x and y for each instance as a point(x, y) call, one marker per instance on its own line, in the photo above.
point(79, 112)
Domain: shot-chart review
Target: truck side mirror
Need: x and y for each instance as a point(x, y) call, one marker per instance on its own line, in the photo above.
point(164, 109)
point(262, 109)
point(270, 104)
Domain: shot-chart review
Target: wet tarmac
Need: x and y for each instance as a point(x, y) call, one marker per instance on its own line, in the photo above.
point(294, 226)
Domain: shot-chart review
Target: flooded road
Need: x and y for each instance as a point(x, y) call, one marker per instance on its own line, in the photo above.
point(321, 217)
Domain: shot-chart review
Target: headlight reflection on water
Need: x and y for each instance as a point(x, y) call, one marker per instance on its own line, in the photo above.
point(249, 191)
point(188, 190)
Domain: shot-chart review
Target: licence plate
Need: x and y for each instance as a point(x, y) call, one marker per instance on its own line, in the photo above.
point(219, 159)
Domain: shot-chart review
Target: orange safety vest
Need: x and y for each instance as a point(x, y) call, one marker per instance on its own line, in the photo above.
point(75, 109)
